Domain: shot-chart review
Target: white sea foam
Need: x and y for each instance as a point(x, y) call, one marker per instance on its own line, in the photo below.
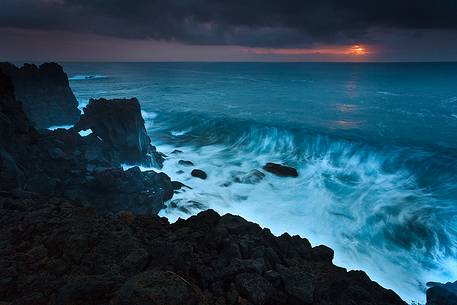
point(80, 77)
point(85, 133)
point(343, 198)
point(178, 133)
point(148, 117)
point(388, 93)
point(60, 127)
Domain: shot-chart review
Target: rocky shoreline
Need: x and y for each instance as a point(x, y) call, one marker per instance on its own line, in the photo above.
point(78, 229)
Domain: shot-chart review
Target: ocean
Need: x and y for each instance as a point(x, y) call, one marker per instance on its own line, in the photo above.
point(375, 145)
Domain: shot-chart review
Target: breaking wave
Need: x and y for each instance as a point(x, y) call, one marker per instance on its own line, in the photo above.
point(86, 77)
point(387, 210)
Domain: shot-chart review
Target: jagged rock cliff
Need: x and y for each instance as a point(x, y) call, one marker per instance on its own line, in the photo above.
point(63, 163)
point(44, 92)
point(120, 127)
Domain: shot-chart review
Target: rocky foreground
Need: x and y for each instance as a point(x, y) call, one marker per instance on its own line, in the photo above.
point(56, 253)
point(77, 229)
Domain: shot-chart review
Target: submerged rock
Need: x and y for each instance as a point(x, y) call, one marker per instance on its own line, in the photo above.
point(45, 93)
point(253, 177)
point(280, 170)
point(199, 174)
point(185, 163)
point(119, 125)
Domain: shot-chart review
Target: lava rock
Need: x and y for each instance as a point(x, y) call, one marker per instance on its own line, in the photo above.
point(157, 287)
point(55, 252)
point(442, 294)
point(45, 93)
point(178, 185)
point(119, 125)
point(280, 170)
point(199, 174)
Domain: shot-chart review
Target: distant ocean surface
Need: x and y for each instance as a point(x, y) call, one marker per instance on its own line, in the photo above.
point(375, 146)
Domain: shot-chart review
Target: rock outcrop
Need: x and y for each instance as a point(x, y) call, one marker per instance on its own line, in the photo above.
point(442, 294)
point(63, 163)
point(119, 126)
point(44, 92)
point(54, 252)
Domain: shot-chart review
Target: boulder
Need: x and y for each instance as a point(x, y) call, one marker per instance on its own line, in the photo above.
point(199, 174)
point(280, 170)
point(119, 125)
point(45, 93)
point(254, 287)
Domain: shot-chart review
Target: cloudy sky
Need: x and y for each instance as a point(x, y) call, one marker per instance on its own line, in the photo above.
point(228, 30)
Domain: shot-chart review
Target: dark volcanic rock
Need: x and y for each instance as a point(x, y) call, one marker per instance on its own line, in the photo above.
point(199, 174)
point(119, 125)
point(141, 192)
point(442, 294)
point(185, 163)
point(158, 287)
point(280, 170)
point(45, 93)
point(178, 185)
point(17, 137)
point(54, 252)
point(62, 163)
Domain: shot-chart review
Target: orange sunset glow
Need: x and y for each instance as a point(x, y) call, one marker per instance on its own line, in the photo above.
point(353, 50)
point(357, 50)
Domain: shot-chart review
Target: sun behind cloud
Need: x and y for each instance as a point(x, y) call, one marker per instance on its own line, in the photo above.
point(357, 50)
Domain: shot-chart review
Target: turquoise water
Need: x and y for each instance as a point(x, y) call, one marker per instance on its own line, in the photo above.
point(374, 144)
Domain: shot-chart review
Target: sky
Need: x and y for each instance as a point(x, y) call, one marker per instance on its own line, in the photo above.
point(228, 30)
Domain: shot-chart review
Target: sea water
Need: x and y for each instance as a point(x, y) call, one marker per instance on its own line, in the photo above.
point(375, 145)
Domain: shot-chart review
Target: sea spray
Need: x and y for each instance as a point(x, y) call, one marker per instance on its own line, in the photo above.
point(371, 204)
point(374, 144)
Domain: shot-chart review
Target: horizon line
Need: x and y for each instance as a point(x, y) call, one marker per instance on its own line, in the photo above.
point(231, 61)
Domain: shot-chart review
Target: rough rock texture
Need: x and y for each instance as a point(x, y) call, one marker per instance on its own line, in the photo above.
point(442, 294)
point(120, 126)
point(62, 163)
point(280, 170)
point(45, 93)
point(198, 173)
point(56, 253)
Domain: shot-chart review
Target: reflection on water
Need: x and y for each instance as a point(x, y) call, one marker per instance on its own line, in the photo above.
point(345, 124)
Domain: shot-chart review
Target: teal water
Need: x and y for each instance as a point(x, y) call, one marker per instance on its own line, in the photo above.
point(374, 144)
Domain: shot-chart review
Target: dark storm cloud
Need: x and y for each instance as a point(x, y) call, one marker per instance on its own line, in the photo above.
point(241, 22)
